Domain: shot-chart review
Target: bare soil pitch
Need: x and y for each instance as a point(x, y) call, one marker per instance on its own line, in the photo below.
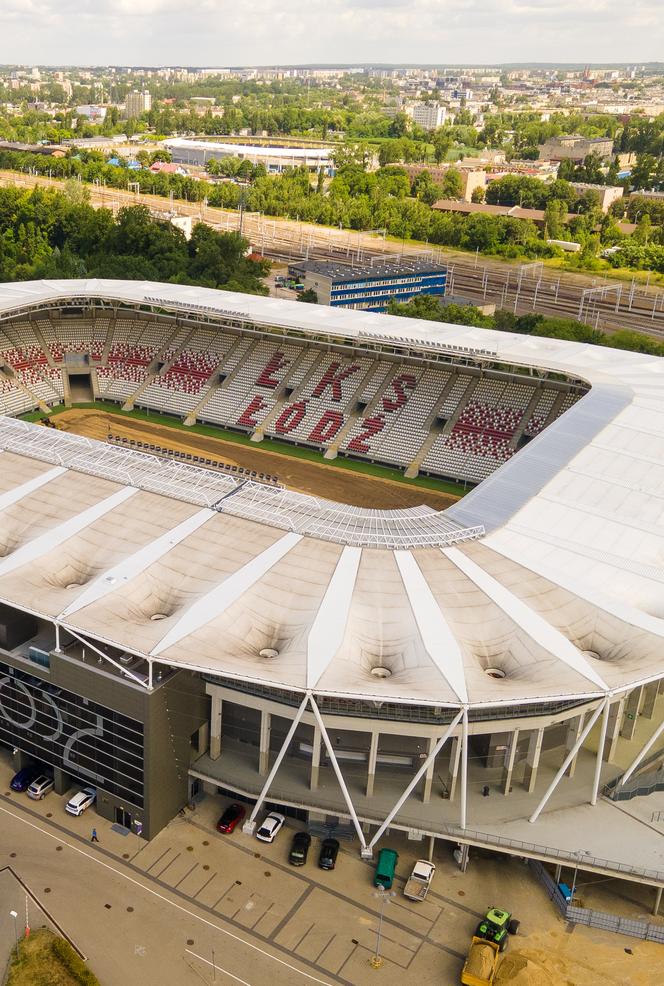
point(326, 480)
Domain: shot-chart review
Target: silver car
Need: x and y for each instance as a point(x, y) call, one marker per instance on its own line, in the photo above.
point(40, 787)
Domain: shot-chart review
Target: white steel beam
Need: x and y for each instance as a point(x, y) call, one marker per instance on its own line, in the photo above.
point(18, 492)
point(464, 768)
point(218, 600)
point(249, 825)
point(641, 754)
point(600, 751)
point(137, 562)
point(125, 671)
point(420, 773)
point(337, 771)
point(568, 759)
point(46, 542)
point(440, 643)
point(327, 631)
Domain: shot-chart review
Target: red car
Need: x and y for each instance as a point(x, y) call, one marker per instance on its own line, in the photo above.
point(231, 818)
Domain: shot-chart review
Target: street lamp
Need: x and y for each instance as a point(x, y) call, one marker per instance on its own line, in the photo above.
point(383, 895)
point(15, 915)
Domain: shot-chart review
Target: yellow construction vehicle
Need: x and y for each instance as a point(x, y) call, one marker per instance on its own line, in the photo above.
point(481, 963)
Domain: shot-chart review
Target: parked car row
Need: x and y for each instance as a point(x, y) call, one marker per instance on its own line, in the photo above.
point(36, 783)
point(270, 828)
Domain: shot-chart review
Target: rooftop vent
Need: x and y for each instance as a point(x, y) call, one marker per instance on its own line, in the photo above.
point(269, 653)
point(381, 672)
point(158, 616)
point(495, 672)
point(73, 585)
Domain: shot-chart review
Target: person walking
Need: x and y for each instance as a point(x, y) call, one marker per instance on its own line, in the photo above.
point(93, 837)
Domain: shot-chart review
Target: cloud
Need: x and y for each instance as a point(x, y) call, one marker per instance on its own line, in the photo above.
point(223, 32)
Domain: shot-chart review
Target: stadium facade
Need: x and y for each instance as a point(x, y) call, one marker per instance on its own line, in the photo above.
point(490, 674)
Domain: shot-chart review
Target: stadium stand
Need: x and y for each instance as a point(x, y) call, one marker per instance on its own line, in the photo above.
point(438, 418)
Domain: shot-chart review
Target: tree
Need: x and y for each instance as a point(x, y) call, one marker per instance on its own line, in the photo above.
point(452, 184)
point(555, 214)
point(308, 296)
point(478, 195)
point(442, 144)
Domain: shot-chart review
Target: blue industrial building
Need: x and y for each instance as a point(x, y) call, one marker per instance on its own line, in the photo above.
point(370, 287)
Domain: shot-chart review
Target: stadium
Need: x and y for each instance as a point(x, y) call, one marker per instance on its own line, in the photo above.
point(173, 624)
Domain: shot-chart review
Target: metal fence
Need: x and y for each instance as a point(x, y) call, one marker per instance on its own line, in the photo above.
point(591, 918)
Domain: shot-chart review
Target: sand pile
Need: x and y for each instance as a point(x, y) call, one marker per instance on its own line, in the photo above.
point(518, 970)
point(480, 961)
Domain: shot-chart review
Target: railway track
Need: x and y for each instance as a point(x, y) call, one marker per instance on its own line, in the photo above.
point(521, 288)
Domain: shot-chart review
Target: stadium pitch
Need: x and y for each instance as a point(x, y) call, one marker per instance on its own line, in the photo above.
point(342, 480)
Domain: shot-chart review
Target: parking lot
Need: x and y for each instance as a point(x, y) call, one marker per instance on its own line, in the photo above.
point(326, 922)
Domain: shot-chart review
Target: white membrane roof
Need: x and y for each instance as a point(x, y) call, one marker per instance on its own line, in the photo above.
point(544, 584)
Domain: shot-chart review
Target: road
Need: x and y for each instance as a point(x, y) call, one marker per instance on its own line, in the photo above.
point(608, 305)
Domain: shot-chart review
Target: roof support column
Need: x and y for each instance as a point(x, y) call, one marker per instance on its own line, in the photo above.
point(631, 715)
point(464, 767)
point(337, 771)
point(568, 759)
point(415, 780)
point(428, 776)
point(373, 756)
point(574, 728)
point(650, 693)
point(215, 726)
point(615, 722)
point(315, 760)
point(264, 743)
point(532, 759)
point(250, 824)
point(600, 752)
point(58, 649)
point(455, 757)
point(510, 757)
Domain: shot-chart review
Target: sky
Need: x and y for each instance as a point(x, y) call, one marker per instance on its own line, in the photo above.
point(268, 32)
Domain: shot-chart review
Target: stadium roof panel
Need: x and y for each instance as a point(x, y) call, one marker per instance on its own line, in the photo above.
point(552, 569)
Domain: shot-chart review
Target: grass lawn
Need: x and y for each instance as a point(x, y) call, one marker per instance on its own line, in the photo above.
point(268, 445)
point(46, 960)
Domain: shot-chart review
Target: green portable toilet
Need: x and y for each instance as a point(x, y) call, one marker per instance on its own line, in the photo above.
point(385, 867)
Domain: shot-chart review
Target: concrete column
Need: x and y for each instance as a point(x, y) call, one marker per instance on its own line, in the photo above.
point(574, 730)
point(658, 900)
point(371, 772)
point(613, 730)
point(264, 747)
point(649, 698)
point(510, 757)
point(455, 755)
point(496, 752)
point(432, 845)
point(631, 713)
point(428, 777)
point(203, 738)
point(215, 728)
point(315, 760)
point(533, 759)
point(558, 873)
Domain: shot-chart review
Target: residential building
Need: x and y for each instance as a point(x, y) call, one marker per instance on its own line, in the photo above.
point(137, 103)
point(429, 116)
point(608, 194)
point(575, 148)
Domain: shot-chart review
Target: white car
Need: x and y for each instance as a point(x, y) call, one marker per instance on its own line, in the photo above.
point(81, 801)
point(271, 826)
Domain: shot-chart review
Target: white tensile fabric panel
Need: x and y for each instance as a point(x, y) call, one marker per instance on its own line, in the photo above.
point(439, 641)
point(47, 542)
point(531, 622)
point(327, 631)
point(13, 496)
point(220, 598)
point(129, 567)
